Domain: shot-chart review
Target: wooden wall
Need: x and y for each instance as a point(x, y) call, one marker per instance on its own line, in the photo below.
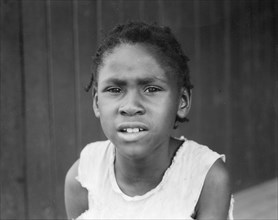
point(46, 117)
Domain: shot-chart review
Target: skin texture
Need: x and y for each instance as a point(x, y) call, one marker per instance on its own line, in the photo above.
point(135, 91)
point(76, 197)
point(215, 197)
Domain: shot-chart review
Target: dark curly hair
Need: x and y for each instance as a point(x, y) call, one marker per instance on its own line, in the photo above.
point(159, 37)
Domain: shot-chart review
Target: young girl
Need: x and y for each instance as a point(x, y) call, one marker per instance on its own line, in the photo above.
point(141, 89)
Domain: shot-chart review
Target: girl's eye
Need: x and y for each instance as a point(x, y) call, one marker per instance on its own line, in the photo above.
point(152, 89)
point(114, 90)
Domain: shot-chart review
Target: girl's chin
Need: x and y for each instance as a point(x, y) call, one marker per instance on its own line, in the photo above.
point(135, 154)
point(133, 150)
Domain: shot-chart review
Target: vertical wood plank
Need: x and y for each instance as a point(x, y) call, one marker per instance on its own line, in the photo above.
point(209, 85)
point(39, 168)
point(131, 10)
point(250, 92)
point(99, 22)
point(51, 106)
point(196, 70)
point(256, 99)
point(240, 88)
point(204, 86)
point(169, 15)
point(1, 24)
point(217, 81)
point(76, 73)
point(148, 11)
point(273, 26)
point(263, 89)
point(227, 80)
point(87, 21)
point(270, 30)
point(111, 14)
point(12, 143)
point(236, 153)
point(64, 94)
point(141, 10)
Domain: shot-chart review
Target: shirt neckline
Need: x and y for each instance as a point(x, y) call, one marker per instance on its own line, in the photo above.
point(165, 177)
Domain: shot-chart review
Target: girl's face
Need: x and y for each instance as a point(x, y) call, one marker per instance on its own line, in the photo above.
point(136, 101)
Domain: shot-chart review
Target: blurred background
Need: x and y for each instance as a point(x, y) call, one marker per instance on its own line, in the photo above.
point(47, 118)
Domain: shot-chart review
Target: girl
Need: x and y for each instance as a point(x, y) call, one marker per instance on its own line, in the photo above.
point(141, 90)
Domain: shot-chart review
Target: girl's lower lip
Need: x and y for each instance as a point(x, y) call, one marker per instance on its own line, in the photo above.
point(135, 136)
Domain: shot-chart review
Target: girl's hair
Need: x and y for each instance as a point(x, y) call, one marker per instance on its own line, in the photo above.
point(157, 37)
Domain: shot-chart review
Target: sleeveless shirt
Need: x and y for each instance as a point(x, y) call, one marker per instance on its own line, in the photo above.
point(175, 197)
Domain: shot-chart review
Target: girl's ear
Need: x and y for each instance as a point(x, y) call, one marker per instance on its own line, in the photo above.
point(95, 105)
point(184, 104)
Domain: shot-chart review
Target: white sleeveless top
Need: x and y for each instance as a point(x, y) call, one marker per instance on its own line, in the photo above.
point(175, 197)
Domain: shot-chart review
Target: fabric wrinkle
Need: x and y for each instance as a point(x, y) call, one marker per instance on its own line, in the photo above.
point(175, 197)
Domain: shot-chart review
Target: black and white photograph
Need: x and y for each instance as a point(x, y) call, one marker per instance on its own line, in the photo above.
point(139, 109)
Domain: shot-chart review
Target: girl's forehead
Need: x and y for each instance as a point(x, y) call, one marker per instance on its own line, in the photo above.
point(132, 53)
point(127, 58)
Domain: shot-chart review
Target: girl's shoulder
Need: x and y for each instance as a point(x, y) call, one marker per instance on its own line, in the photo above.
point(95, 158)
point(75, 195)
point(77, 182)
point(209, 180)
point(199, 153)
point(215, 198)
point(95, 147)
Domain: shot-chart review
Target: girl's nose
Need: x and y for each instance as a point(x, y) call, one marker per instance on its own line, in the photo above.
point(132, 105)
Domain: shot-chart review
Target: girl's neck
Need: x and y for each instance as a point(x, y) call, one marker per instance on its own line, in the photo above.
point(136, 177)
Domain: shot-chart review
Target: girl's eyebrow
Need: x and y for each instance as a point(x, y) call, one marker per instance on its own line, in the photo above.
point(115, 81)
point(139, 81)
point(149, 80)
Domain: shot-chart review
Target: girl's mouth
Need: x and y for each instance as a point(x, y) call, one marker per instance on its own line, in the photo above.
point(132, 127)
point(132, 130)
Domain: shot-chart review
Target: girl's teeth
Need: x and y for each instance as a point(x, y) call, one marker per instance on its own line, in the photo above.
point(129, 130)
point(135, 129)
point(132, 130)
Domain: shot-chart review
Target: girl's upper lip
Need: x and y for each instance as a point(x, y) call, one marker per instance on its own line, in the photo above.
point(125, 125)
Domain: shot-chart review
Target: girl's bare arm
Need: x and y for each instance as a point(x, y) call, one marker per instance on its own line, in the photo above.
point(76, 197)
point(215, 197)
